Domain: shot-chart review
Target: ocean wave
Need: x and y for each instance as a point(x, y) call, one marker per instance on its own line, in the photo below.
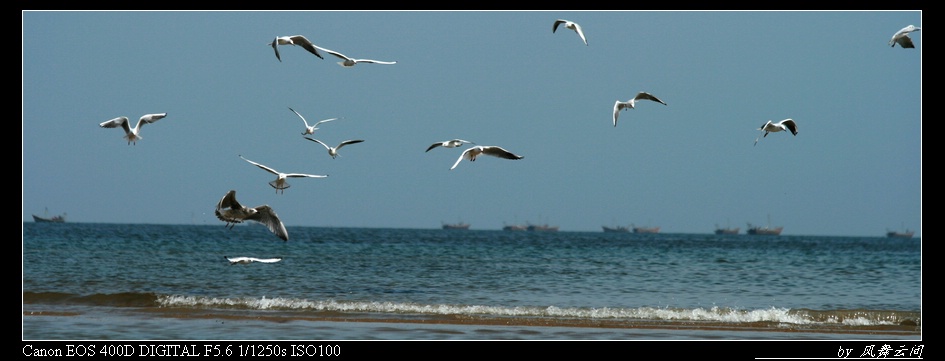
point(712, 314)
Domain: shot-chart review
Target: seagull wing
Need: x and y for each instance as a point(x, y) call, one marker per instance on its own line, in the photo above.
point(227, 203)
point(267, 260)
point(319, 142)
point(275, 47)
point(303, 175)
point(270, 170)
point(501, 153)
point(648, 96)
point(434, 145)
point(618, 106)
point(344, 143)
point(324, 121)
point(150, 118)
point(305, 43)
point(332, 52)
point(559, 22)
point(790, 125)
point(300, 116)
point(270, 219)
point(906, 42)
point(374, 61)
point(117, 122)
point(577, 29)
point(466, 154)
point(238, 260)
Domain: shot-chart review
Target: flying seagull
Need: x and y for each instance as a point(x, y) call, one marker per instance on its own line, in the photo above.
point(771, 127)
point(492, 150)
point(131, 134)
point(349, 62)
point(248, 260)
point(902, 38)
point(280, 183)
point(293, 40)
point(310, 129)
point(449, 144)
point(232, 212)
point(570, 25)
point(333, 151)
point(630, 104)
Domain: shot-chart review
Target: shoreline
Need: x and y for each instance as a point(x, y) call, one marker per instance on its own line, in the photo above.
point(905, 330)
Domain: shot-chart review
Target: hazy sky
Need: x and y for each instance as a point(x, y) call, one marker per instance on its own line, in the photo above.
point(494, 78)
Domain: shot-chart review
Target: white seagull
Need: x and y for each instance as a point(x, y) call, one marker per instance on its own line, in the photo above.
point(333, 151)
point(248, 260)
point(771, 127)
point(232, 212)
point(310, 129)
point(131, 134)
point(349, 62)
point(293, 40)
point(902, 38)
point(570, 25)
point(630, 104)
point(449, 144)
point(492, 150)
point(280, 183)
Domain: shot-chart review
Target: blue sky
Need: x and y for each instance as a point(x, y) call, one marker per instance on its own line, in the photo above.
point(494, 78)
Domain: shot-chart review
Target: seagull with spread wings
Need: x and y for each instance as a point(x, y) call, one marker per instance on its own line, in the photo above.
point(348, 62)
point(902, 38)
point(132, 134)
point(248, 260)
point(771, 127)
point(449, 144)
point(333, 151)
point(570, 25)
point(232, 212)
point(631, 104)
point(310, 129)
point(280, 183)
point(492, 150)
point(298, 40)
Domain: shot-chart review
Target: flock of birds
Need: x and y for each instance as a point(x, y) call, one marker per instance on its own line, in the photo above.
point(230, 211)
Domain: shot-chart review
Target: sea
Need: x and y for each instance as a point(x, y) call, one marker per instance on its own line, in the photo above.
point(93, 281)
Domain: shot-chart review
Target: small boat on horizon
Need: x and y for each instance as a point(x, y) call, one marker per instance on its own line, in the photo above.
point(766, 230)
point(47, 219)
point(460, 225)
point(514, 227)
point(726, 230)
point(894, 234)
point(541, 228)
point(617, 229)
point(906, 233)
point(646, 230)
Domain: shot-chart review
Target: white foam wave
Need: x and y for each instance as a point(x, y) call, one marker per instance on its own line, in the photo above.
point(713, 314)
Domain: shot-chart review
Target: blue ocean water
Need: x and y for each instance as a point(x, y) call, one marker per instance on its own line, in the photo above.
point(172, 282)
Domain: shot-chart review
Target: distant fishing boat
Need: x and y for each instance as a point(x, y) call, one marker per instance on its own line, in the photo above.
point(541, 228)
point(894, 234)
point(766, 230)
point(650, 230)
point(47, 219)
point(617, 229)
point(514, 227)
point(726, 230)
point(459, 225)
